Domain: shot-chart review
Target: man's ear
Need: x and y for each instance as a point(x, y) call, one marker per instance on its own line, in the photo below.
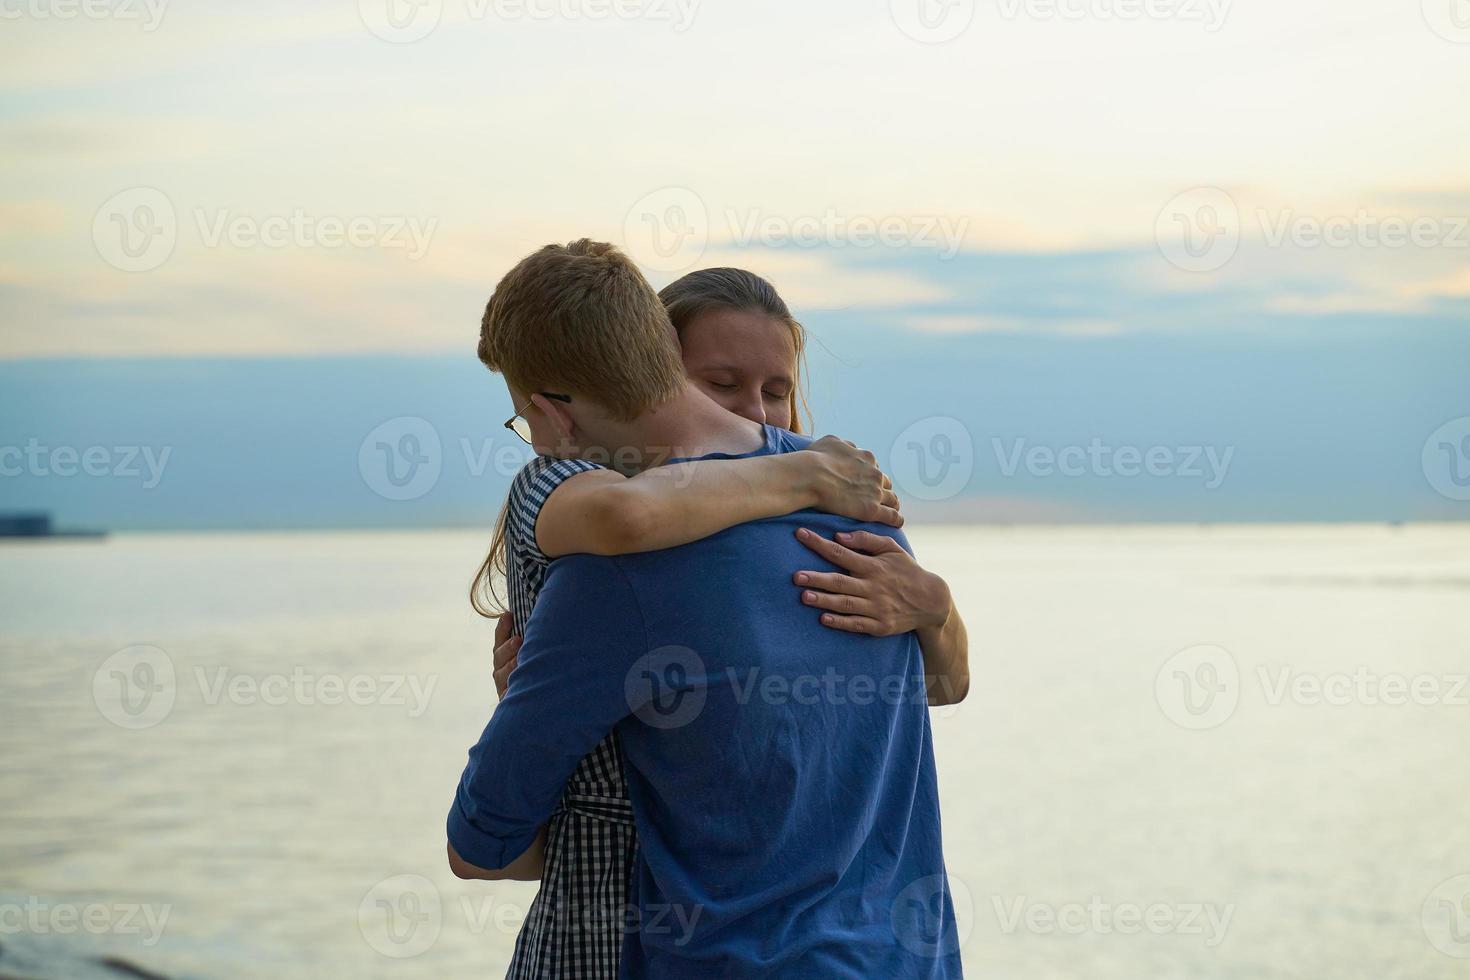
point(556, 413)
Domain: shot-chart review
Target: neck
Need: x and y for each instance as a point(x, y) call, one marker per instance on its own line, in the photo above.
point(687, 425)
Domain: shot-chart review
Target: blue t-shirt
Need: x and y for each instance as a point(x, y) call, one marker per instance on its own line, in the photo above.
point(781, 772)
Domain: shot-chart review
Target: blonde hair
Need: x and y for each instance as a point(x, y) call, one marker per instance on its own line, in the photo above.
point(581, 319)
point(736, 289)
point(576, 318)
point(485, 598)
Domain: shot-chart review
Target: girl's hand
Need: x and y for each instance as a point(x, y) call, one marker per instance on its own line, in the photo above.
point(884, 592)
point(846, 481)
point(507, 649)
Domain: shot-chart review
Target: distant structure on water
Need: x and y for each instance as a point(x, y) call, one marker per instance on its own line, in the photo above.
point(37, 524)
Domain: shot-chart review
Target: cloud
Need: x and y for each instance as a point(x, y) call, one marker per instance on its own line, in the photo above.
point(303, 301)
point(965, 324)
point(1341, 303)
point(1455, 285)
point(812, 280)
point(23, 221)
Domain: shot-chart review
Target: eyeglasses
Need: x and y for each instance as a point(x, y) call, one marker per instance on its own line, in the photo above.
point(517, 423)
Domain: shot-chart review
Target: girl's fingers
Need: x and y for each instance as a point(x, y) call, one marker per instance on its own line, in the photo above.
point(502, 677)
point(504, 626)
point(849, 605)
point(851, 624)
point(831, 582)
point(873, 544)
point(831, 550)
point(507, 652)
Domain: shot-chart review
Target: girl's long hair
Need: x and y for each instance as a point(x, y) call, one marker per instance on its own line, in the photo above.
point(685, 300)
point(485, 596)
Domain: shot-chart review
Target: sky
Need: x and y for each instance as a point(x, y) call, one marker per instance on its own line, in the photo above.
point(206, 187)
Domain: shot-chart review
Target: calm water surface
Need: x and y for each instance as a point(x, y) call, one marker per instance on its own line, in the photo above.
point(1204, 753)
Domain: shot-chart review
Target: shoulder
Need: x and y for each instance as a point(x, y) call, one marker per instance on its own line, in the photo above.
point(536, 482)
point(785, 441)
point(538, 478)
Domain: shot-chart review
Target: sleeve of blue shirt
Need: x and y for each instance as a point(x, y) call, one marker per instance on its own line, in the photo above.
point(566, 693)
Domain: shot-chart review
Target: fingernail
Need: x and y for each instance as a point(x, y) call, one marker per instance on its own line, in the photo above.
point(802, 532)
point(843, 535)
point(801, 578)
point(826, 620)
point(808, 597)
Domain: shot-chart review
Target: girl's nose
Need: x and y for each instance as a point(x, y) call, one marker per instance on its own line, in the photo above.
point(752, 406)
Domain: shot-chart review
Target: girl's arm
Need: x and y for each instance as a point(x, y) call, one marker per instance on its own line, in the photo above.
point(946, 649)
point(527, 867)
point(601, 512)
point(884, 592)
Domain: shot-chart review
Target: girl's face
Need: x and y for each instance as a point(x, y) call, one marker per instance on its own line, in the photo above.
point(745, 361)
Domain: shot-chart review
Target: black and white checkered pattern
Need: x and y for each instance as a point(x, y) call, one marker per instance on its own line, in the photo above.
point(574, 928)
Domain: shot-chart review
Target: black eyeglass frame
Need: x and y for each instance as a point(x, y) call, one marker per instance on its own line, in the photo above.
point(510, 423)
